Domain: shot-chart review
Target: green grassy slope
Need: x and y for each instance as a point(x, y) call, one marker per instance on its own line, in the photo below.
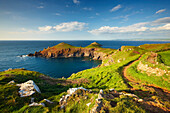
point(137, 75)
point(108, 75)
point(155, 47)
point(164, 57)
point(10, 100)
point(63, 45)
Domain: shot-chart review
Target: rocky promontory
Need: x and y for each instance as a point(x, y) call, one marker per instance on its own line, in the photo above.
point(64, 50)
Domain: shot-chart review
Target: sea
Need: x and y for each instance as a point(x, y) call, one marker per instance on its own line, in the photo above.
point(10, 52)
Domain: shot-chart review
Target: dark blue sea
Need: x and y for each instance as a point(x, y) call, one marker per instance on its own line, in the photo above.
point(11, 50)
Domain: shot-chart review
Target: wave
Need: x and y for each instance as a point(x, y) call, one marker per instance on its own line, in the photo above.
point(22, 56)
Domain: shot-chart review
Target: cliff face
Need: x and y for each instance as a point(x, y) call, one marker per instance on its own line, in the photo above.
point(55, 52)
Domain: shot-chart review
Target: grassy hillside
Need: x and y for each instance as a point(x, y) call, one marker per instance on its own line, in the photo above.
point(94, 45)
point(155, 47)
point(164, 57)
point(119, 70)
point(10, 100)
point(106, 77)
point(63, 45)
point(137, 75)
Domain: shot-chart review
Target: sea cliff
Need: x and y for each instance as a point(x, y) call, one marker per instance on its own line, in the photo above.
point(64, 50)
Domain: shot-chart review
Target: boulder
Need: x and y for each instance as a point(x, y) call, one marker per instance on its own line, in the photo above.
point(28, 88)
point(48, 101)
point(72, 90)
point(11, 82)
point(37, 104)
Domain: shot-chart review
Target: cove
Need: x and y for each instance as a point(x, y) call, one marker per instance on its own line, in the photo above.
point(63, 67)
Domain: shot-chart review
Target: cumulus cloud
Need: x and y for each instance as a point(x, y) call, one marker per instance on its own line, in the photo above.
point(97, 14)
point(40, 7)
point(57, 14)
point(70, 26)
point(164, 20)
point(132, 28)
point(76, 1)
point(116, 8)
point(45, 28)
point(65, 27)
point(160, 11)
point(160, 28)
point(138, 27)
point(87, 8)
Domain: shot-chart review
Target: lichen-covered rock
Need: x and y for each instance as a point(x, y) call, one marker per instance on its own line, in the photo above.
point(37, 104)
point(97, 107)
point(28, 88)
point(150, 70)
point(72, 90)
point(11, 82)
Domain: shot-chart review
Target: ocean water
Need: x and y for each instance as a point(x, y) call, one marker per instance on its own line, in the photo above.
point(11, 50)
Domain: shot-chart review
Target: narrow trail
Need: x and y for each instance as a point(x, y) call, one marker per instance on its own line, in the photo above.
point(150, 105)
point(127, 78)
point(124, 72)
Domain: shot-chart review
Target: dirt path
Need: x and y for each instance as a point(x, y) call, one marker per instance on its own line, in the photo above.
point(125, 72)
point(150, 104)
point(128, 78)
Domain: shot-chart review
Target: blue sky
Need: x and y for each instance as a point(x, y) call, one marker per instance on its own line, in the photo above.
point(84, 19)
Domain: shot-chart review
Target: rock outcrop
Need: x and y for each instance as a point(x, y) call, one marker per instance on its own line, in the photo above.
point(65, 50)
point(70, 91)
point(150, 70)
point(28, 88)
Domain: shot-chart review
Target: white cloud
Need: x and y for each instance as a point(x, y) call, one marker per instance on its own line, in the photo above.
point(76, 1)
point(40, 7)
point(116, 8)
point(57, 14)
point(97, 14)
point(65, 27)
point(70, 26)
point(165, 27)
point(164, 20)
point(46, 28)
point(138, 27)
point(160, 11)
point(87, 8)
point(132, 28)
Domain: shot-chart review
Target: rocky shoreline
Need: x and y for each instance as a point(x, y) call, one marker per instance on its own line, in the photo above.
point(63, 52)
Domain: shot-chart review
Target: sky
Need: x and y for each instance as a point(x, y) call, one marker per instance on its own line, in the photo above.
point(84, 19)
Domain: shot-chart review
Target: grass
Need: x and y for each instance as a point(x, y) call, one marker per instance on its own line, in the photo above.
point(106, 50)
point(10, 100)
point(155, 47)
point(64, 45)
point(102, 77)
point(124, 104)
point(161, 81)
point(94, 45)
point(106, 77)
point(164, 57)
